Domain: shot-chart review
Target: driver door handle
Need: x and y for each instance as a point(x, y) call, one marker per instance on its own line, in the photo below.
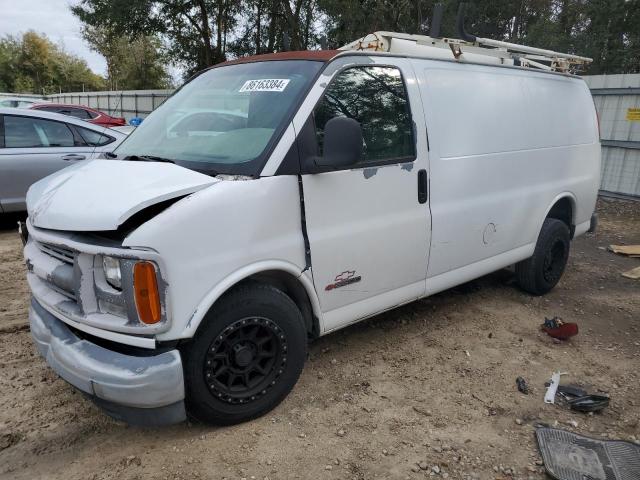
point(73, 156)
point(423, 186)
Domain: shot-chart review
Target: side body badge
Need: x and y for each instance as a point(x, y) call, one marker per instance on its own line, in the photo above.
point(343, 279)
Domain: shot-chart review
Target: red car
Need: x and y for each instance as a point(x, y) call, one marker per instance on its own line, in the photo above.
point(84, 113)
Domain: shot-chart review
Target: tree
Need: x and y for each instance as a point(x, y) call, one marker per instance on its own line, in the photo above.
point(200, 33)
point(607, 30)
point(104, 41)
point(33, 64)
point(267, 26)
point(132, 64)
point(9, 62)
point(141, 66)
point(187, 25)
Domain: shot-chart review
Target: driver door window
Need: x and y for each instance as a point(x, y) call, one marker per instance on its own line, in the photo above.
point(376, 97)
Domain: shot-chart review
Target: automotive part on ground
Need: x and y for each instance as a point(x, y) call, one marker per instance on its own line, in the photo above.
point(571, 391)
point(569, 456)
point(556, 328)
point(589, 403)
point(550, 396)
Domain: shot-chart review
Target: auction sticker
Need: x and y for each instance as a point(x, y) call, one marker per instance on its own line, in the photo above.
point(265, 85)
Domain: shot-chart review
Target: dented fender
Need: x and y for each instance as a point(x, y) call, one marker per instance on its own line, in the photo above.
point(215, 237)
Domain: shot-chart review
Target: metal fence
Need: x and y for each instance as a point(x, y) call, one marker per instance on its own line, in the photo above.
point(617, 99)
point(127, 104)
point(22, 95)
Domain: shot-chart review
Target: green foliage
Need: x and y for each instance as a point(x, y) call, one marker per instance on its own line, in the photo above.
point(33, 64)
point(141, 65)
point(606, 30)
point(132, 64)
point(187, 25)
point(200, 33)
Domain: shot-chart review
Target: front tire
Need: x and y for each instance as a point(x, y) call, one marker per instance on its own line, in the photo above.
point(540, 273)
point(246, 357)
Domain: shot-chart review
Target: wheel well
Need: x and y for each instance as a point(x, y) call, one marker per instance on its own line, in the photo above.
point(563, 210)
point(290, 285)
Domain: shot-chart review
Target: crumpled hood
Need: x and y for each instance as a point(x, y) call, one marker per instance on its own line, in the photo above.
point(100, 195)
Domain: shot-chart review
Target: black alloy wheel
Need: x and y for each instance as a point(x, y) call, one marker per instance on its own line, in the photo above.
point(245, 360)
point(245, 357)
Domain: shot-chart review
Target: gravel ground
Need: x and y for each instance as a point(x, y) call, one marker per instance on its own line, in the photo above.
point(424, 390)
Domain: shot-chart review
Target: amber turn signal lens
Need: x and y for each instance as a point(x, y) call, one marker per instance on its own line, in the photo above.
point(145, 286)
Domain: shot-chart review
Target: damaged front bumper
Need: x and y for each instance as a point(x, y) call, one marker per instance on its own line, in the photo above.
point(145, 389)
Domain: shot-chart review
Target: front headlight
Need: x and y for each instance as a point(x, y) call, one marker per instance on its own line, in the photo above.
point(112, 273)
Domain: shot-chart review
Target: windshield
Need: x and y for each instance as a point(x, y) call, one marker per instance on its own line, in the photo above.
point(226, 119)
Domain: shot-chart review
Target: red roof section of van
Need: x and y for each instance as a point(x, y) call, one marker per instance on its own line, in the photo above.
point(316, 55)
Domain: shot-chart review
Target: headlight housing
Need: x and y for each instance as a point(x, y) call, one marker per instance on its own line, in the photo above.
point(112, 272)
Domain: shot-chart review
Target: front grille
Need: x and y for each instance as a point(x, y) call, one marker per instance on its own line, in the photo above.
point(61, 253)
point(63, 291)
point(62, 279)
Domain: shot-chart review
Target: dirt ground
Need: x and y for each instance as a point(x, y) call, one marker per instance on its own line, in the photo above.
point(429, 385)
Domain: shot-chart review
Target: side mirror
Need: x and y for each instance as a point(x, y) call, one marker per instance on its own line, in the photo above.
point(342, 143)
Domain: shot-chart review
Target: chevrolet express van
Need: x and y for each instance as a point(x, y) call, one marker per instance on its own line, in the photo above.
point(278, 198)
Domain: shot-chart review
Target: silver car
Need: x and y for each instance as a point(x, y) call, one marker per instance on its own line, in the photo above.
point(34, 144)
point(19, 102)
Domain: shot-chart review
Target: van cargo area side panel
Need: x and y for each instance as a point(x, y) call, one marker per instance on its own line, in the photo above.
point(505, 145)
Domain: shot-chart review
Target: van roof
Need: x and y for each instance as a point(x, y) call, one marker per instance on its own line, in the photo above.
point(482, 51)
point(314, 55)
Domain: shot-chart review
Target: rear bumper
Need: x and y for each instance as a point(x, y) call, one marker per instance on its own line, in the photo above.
point(140, 390)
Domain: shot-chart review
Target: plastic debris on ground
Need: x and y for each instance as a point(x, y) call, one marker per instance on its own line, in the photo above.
point(550, 395)
point(555, 327)
point(576, 397)
point(522, 385)
point(589, 403)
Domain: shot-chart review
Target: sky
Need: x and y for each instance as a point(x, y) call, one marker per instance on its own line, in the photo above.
point(53, 18)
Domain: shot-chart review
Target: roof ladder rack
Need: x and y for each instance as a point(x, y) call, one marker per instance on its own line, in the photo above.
point(469, 48)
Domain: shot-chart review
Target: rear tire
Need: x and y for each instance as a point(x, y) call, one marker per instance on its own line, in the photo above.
point(246, 357)
point(540, 273)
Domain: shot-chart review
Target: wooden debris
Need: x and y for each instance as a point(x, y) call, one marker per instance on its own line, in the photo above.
point(632, 274)
point(631, 250)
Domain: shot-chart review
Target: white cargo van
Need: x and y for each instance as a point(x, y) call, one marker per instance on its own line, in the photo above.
point(281, 197)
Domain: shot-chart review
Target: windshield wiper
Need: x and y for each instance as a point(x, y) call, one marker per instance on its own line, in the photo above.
point(149, 158)
point(200, 167)
point(206, 171)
